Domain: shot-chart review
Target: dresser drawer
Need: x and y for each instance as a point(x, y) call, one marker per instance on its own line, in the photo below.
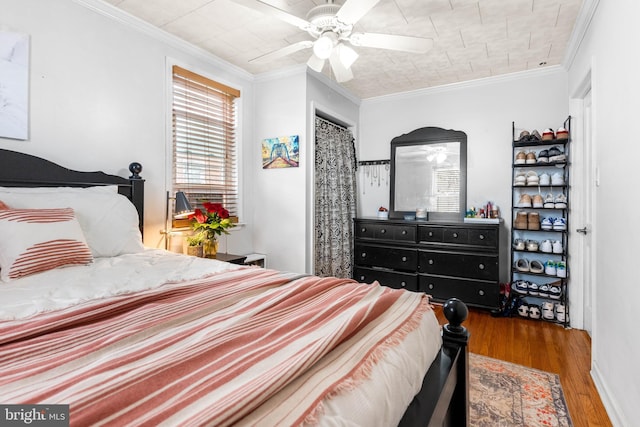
point(386, 257)
point(383, 231)
point(392, 279)
point(471, 237)
point(472, 292)
point(474, 266)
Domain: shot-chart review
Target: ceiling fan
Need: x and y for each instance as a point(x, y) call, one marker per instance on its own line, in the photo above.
point(331, 25)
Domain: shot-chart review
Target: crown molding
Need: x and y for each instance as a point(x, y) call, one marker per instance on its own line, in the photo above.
point(580, 28)
point(520, 75)
point(119, 15)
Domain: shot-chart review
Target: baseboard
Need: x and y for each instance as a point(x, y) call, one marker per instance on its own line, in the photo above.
point(616, 418)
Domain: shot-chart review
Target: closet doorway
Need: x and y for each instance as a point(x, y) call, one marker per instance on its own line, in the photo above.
point(335, 198)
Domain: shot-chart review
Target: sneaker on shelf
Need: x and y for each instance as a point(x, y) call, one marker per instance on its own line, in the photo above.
point(537, 201)
point(523, 310)
point(534, 312)
point(525, 201)
point(533, 221)
point(560, 202)
point(521, 158)
point(520, 179)
point(531, 158)
point(545, 179)
point(543, 156)
point(555, 292)
point(548, 135)
point(522, 265)
point(556, 155)
point(547, 223)
point(562, 133)
point(546, 247)
point(536, 266)
point(532, 178)
point(521, 221)
point(550, 268)
point(561, 312)
point(559, 224)
point(533, 289)
point(561, 269)
point(556, 179)
point(524, 136)
point(547, 311)
point(520, 287)
point(535, 135)
point(557, 247)
point(549, 201)
point(518, 244)
point(532, 245)
point(543, 290)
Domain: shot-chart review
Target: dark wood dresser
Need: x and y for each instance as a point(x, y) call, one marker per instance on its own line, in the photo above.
point(443, 259)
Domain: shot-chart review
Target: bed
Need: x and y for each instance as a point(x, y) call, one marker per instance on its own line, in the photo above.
point(136, 336)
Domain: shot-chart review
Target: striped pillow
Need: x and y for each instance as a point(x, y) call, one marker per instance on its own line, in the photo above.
point(3, 206)
point(36, 240)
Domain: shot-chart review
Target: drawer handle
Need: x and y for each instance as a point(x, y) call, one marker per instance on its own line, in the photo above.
point(482, 237)
point(430, 286)
point(362, 278)
point(363, 229)
point(363, 255)
point(455, 235)
point(481, 292)
point(431, 234)
point(430, 262)
point(403, 284)
point(383, 231)
point(481, 266)
point(404, 259)
point(404, 232)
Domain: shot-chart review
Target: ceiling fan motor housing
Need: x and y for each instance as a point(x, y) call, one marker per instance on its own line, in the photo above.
point(323, 18)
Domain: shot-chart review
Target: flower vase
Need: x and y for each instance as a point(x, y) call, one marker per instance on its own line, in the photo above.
point(210, 247)
point(195, 251)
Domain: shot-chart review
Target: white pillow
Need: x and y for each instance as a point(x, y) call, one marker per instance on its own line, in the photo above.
point(36, 240)
point(109, 220)
point(57, 190)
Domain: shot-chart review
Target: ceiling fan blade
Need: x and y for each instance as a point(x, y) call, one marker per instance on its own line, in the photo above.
point(315, 63)
point(392, 42)
point(352, 10)
point(341, 72)
point(275, 12)
point(288, 50)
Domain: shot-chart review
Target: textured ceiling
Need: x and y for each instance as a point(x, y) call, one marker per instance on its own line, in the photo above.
point(472, 39)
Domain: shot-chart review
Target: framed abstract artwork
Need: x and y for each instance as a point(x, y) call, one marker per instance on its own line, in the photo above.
point(14, 85)
point(281, 152)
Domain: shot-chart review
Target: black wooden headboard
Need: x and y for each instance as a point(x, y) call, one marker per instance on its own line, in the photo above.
point(25, 170)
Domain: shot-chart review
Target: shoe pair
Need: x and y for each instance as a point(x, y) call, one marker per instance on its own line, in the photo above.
point(555, 268)
point(525, 136)
point(556, 155)
point(523, 265)
point(556, 224)
point(557, 202)
point(548, 247)
point(523, 158)
point(526, 201)
point(529, 310)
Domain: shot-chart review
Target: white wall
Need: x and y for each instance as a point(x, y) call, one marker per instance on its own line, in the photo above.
point(608, 54)
point(98, 96)
point(484, 110)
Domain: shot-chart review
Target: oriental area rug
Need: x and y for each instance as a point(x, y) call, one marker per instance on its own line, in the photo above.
point(504, 394)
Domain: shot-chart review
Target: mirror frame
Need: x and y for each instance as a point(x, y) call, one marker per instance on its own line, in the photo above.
point(427, 136)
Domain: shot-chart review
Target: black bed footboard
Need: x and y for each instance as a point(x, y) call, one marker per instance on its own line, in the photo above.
point(444, 397)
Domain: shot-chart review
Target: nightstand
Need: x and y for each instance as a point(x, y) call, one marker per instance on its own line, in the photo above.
point(233, 259)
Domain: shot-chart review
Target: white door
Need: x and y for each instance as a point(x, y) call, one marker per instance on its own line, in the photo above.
point(584, 229)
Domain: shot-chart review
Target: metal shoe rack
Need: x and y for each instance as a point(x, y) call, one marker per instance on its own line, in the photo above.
point(531, 290)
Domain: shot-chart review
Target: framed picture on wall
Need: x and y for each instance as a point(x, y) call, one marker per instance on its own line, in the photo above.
point(14, 85)
point(280, 152)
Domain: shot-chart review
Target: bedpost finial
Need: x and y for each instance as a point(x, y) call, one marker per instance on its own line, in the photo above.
point(456, 312)
point(135, 168)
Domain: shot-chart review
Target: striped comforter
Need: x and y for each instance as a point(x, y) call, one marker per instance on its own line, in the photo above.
point(250, 346)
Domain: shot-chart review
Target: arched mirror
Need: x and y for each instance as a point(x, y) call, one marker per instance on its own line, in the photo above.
point(429, 171)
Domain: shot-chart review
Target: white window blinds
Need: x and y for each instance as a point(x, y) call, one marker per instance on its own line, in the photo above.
point(204, 140)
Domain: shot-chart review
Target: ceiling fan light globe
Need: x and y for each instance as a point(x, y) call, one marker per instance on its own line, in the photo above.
point(324, 45)
point(347, 55)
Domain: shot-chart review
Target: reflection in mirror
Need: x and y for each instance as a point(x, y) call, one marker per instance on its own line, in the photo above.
point(428, 171)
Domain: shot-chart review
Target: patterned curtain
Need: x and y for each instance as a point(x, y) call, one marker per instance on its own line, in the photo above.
point(335, 199)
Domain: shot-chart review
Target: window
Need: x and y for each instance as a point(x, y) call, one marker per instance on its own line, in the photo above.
point(204, 142)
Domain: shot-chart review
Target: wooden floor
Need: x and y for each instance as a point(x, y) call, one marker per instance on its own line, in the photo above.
point(545, 346)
